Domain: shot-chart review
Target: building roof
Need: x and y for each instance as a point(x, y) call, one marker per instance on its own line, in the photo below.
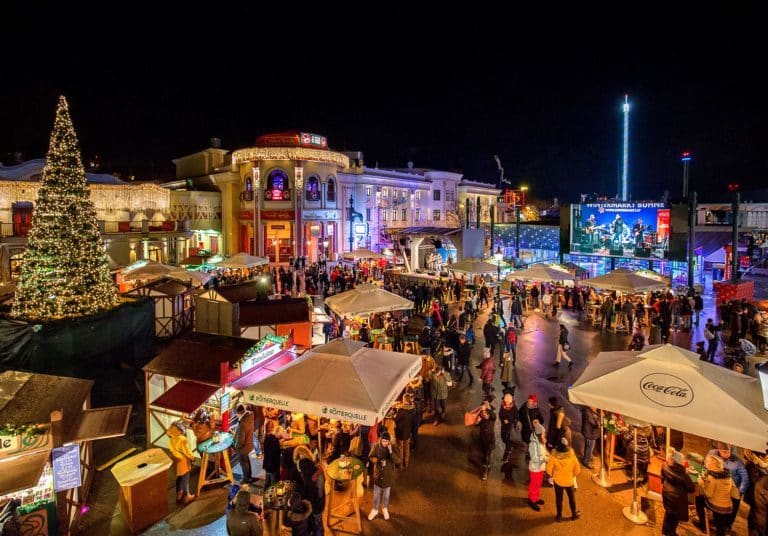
point(39, 395)
point(32, 170)
point(198, 357)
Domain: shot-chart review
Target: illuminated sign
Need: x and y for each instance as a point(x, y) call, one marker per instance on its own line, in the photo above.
point(254, 360)
point(314, 140)
point(360, 228)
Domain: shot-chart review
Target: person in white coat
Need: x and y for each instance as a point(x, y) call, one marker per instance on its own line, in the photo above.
point(537, 450)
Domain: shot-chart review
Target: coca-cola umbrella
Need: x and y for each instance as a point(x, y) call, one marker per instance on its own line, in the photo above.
point(670, 386)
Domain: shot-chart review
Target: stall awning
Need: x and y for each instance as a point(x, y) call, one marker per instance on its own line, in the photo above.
point(101, 423)
point(22, 472)
point(262, 371)
point(185, 396)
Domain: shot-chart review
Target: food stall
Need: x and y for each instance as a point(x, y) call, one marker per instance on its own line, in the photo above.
point(46, 456)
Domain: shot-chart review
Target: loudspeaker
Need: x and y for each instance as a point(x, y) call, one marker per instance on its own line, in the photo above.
point(642, 252)
point(616, 252)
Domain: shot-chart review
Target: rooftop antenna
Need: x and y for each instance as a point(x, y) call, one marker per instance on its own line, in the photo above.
point(502, 180)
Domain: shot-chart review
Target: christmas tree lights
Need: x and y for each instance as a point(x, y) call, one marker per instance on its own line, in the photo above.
point(65, 273)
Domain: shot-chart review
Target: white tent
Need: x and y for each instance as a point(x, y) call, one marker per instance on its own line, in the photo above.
point(366, 299)
point(190, 277)
point(717, 257)
point(359, 388)
point(345, 347)
point(146, 270)
point(476, 266)
point(669, 386)
point(624, 280)
point(362, 253)
point(543, 272)
point(242, 260)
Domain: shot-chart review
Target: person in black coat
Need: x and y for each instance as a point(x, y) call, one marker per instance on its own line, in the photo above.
point(463, 354)
point(529, 413)
point(487, 433)
point(271, 449)
point(590, 429)
point(509, 418)
point(676, 487)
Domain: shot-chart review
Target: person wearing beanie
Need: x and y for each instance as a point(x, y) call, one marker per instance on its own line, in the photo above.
point(529, 414)
point(384, 457)
point(240, 520)
point(674, 495)
point(563, 467)
point(717, 492)
point(539, 455)
point(509, 417)
point(299, 516)
point(182, 456)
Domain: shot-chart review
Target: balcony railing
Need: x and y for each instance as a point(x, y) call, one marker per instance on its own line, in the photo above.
point(143, 226)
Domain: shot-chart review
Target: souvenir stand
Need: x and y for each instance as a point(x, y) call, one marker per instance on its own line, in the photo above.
point(46, 457)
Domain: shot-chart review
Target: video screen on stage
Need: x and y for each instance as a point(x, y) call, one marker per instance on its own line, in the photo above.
point(616, 229)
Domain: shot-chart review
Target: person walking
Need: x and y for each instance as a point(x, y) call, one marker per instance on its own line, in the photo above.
point(711, 335)
point(463, 354)
point(240, 520)
point(404, 427)
point(674, 494)
point(511, 343)
point(516, 310)
point(562, 346)
point(487, 433)
point(439, 382)
point(546, 303)
point(506, 372)
point(563, 467)
point(539, 455)
point(384, 458)
point(509, 418)
point(243, 441)
point(487, 368)
point(590, 429)
point(491, 335)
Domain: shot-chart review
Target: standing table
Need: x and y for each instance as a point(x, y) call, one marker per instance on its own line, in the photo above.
point(219, 451)
point(143, 483)
point(343, 503)
point(275, 502)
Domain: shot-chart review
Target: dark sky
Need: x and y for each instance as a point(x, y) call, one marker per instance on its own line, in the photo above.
point(447, 88)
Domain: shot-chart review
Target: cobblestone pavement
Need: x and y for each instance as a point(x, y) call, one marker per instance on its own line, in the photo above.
point(441, 491)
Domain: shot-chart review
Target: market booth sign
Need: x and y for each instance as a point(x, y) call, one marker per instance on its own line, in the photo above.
point(25, 442)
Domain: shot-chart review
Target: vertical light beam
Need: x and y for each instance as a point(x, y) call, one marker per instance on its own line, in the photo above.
point(625, 156)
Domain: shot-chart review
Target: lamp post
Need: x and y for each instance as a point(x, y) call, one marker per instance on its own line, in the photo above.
point(498, 256)
point(325, 249)
point(351, 221)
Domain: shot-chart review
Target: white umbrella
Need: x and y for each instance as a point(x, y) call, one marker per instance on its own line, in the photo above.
point(650, 274)
point(475, 266)
point(543, 272)
point(242, 260)
point(345, 347)
point(362, 253)
point(358, 388)
point(669, 386)
point(366, 299)
point(624, 280)
point(192, 277)
point(146, 270)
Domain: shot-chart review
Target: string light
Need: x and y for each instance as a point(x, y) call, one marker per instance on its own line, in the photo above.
point(105, 197)
point(65, 273)
point(256, 154)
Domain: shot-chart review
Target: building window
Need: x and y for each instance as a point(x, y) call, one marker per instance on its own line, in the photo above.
point(394, 215)
point(403, 214)
point(384, 192)
point(368, 191)
point(436, 215)
point(277, 186)
point(313, 189)
point(383, 215)
point(330, 194)
point(436, 195)
point(449, 195)
point(367, 214)
point(417, 215)
point(248, 184)
point(418, 195)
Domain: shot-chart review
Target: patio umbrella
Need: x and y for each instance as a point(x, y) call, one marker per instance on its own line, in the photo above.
point(345, 347)
point(366, 299)
point(359, 388)
point(146, 270)
point(474, 266)
point(624, 280)
point(192, 277)
point(543, 272)
point(242, 260)
point(669, 386)
point(362, 253)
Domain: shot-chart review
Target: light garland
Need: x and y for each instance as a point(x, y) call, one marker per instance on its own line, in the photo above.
point(104, 196)
point(267, 340)
point(257, 154)
point(65, 273)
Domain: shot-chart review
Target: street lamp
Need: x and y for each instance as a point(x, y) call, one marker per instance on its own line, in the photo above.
point(498, 256)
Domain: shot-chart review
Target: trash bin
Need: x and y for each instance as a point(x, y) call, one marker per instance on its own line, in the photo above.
point(143, 483)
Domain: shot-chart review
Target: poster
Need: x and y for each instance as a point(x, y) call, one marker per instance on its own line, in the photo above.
point(66, 468)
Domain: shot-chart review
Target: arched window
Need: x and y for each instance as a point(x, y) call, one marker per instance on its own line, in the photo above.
point(313, 189)
point(277, 186)
point(248, 184)
point(330, 194)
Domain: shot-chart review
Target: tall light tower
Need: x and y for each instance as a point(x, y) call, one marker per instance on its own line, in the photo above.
point(686, 160)
point(625, 152)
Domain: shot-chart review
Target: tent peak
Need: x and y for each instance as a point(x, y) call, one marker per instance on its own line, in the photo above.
point(671, 354)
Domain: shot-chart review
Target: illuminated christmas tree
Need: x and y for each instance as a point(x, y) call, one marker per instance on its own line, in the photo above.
point(65, 273)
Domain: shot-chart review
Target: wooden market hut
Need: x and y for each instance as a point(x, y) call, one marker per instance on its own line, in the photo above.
point(174, 306)
point(40, 413)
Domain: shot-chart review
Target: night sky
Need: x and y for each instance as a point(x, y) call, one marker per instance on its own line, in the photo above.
point(446, 88)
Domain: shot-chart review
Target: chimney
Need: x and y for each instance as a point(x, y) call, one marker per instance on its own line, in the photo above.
point(216, 143)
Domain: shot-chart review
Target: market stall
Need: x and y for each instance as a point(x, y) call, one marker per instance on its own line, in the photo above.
point(46, 456)
point(366, 299)
point(174, 305)
point(542, 273)
point(241, 261)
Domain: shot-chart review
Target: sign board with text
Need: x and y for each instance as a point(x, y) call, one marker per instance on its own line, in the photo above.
point(66, 468)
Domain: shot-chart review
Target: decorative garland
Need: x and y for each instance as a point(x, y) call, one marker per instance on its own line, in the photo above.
point(9, 429)
point(614, 423)
point(265, 341)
